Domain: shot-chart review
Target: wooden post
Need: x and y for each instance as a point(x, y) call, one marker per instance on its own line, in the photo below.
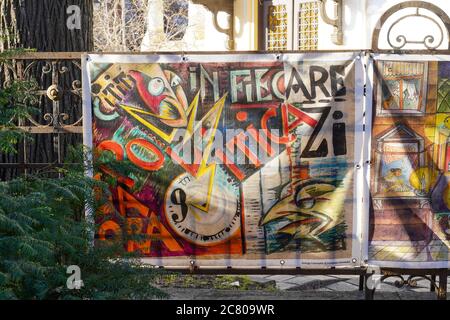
point(368, 292)
point(442, 293)
point(361, 282)
point(433, 282)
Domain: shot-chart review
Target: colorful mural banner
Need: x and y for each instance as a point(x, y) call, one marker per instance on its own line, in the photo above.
point(410, 161)
point(231, 160)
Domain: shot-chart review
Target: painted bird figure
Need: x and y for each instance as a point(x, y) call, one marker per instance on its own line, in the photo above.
point(158, 94)
point(313, 209)
point(150, 90)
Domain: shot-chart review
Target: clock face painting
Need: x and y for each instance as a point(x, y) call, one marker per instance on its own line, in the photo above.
point(226, 161)
point(205, 211)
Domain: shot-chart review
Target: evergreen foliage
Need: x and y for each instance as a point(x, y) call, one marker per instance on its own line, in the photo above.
point(43, 228)
point(16, 100)
point(43, 231)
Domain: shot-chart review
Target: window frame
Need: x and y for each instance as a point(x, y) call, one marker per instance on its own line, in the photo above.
point(296, 22)
point(293, 26)
point(421, 110)
point(390, 138)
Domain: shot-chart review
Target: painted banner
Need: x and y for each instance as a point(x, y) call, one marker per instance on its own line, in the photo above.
point(229, 160)
point(410, 161)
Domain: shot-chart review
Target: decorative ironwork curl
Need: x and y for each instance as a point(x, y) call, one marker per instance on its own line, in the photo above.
point(47, 68)
point(65, 117)
point(77, 87)
point(31, 100)
point(47, 117)
point(28, 68)
point(428, 40)
point(63, 69)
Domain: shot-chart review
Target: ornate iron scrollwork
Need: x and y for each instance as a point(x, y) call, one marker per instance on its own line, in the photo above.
point(428, 41)
point(57, 95)
point(54, 92)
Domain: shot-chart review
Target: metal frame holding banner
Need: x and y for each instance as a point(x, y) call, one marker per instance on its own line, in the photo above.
point(243, 161)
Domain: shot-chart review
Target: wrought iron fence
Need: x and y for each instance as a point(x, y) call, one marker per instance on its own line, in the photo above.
point(58, 124)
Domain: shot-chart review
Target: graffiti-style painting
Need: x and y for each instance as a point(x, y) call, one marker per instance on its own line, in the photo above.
point(229, 159)
point(410, 181)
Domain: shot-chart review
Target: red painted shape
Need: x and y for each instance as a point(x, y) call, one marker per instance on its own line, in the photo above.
point(149, 166)
point(191, 168)
point(260, 139)
point(285, 138)
point(151, 101)
point(242, 116)
point(301, 116)
point(114, 147)
point(253, 106)
point(447, 159)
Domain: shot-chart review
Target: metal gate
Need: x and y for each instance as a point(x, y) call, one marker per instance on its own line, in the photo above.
point(58, 124)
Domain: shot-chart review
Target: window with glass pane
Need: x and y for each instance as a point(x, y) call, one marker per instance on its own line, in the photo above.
point(291, 24)
point(308, 22)
point(403, 87)
point(277, 31)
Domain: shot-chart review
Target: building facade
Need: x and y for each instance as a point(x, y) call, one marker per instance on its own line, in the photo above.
point(297, 25)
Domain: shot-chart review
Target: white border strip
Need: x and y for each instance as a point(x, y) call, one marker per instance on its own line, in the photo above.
point(411, 264)
point(186, 262)
point(365, 210)
point(358, 158)
point(87, 134)
point(181, 58)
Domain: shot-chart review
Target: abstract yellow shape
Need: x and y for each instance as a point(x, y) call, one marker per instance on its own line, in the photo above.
point(205, 206)
point(423, 179)
point(137, 113)
point(213, 116)
point(446, 122)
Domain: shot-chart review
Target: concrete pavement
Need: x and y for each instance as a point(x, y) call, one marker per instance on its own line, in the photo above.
point(333, 287)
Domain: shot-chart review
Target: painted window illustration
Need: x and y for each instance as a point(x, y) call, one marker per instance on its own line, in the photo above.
point(399, 157)
point(444, 95)
point(403, 87)
point(444, 87)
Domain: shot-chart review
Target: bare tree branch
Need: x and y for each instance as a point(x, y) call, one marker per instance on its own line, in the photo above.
point(121, 25)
